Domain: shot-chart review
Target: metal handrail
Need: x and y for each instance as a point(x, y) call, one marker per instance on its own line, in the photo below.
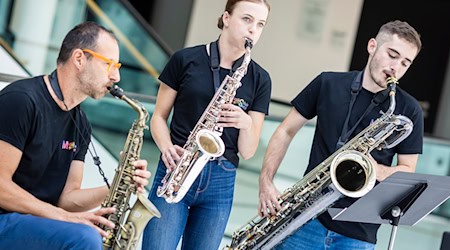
point(9, 78)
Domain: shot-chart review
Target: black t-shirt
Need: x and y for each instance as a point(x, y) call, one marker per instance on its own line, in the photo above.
point(328, 97)
point(47, 136)
point(189, 73)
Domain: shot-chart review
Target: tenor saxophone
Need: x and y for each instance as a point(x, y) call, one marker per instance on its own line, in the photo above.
point(347, 172)
point(127, 232)
point(204, 142)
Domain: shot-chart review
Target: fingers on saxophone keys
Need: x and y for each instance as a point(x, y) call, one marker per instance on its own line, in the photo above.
point(170, 159)
point(172, 153)
point(262, 209)
point(273, 207)
point(267, 209)
point(165, 157)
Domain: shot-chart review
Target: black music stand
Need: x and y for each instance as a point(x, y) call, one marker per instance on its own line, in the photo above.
point(401, 199)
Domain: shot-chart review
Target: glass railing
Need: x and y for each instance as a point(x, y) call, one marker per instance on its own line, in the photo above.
point(142, 53)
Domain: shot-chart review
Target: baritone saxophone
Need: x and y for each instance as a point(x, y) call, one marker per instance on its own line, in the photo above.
point(129, 222)
point(204, 142)
point(347, 172)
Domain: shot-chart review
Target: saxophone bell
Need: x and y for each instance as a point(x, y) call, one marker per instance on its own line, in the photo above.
point(352, 173)
point(210, 143)
point(210, 146)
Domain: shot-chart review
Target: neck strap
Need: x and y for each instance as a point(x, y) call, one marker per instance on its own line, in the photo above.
point(55, 85)
point(214, 59)
point(377, 99)
point(53, 78)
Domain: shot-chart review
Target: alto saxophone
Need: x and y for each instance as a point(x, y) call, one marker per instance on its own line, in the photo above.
point(347, 172)
point(126, 233)
point(204, 142)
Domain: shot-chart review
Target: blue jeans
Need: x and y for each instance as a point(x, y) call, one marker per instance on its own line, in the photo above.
point(20, 231)
point(200, 217)
point(314, 236)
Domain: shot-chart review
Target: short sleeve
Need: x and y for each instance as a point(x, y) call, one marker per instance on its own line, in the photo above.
point(17, 120)
point(171, 74)
point(306, 101)
point(413, 144)
point(263, 93)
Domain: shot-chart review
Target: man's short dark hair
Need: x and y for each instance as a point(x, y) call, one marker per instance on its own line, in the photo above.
point(403, 30)
point(82, 36)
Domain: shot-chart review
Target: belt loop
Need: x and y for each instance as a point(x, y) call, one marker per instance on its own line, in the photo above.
point(219, 159)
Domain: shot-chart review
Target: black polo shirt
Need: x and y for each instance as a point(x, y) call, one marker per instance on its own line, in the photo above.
point(327, 97)
point(47, 136)
point(189, 73)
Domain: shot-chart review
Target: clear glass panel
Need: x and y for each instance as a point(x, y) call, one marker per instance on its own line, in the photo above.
point(5, 6)
point(141, 55)
point(435, 160)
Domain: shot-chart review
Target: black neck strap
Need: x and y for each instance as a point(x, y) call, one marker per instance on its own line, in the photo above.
point(214, 59)
point(55, 85)
point(53, 78)
point(377, 99)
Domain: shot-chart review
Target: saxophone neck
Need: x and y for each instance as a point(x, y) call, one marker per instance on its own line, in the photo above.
point(118, 93)
point(242, 70)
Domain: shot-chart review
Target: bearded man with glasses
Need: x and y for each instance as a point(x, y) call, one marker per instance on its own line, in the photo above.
point(44, 136)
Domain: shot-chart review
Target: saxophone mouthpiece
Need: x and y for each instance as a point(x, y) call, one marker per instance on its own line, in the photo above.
point(248, 43)
point(116, 91)
point(392, 84)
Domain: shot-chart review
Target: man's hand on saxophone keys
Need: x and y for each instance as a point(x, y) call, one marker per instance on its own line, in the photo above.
point(141, 175)
point(93, 219)
point(268, 199)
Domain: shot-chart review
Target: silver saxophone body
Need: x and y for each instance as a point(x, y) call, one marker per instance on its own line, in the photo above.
point(129, 222)
point(204, 142)
point(347, 172)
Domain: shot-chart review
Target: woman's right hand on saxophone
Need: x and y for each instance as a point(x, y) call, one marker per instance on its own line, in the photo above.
point(171, 156)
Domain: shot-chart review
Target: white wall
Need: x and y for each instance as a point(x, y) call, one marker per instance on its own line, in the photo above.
point(301, 39)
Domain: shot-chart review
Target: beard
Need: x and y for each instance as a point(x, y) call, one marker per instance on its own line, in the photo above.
point(89, 85)
point(373, 75)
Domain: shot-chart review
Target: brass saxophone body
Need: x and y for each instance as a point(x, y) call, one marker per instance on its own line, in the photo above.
point(204, 142)
point(347, 172)
point(130, 223)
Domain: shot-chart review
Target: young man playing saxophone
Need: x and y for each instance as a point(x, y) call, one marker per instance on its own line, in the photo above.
point(391, 53)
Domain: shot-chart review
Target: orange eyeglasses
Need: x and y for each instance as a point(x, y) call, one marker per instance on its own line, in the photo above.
point(110, 62)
